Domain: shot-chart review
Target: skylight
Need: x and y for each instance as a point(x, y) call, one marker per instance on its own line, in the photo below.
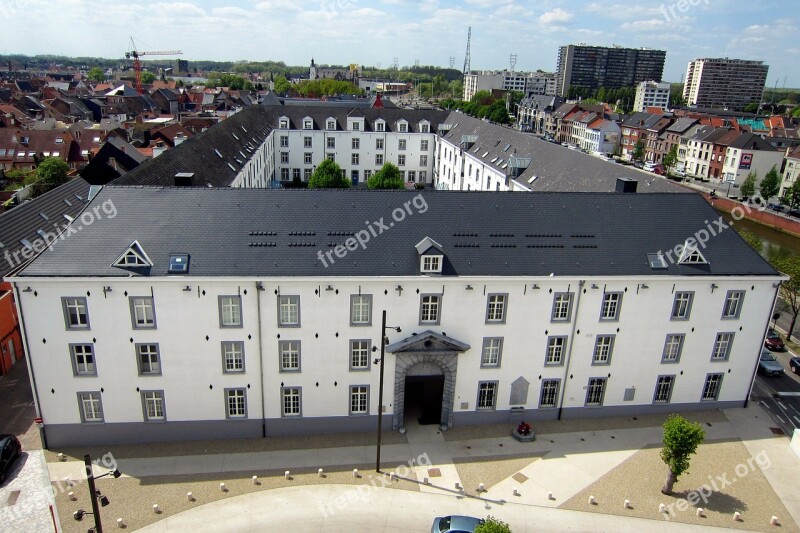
point(178, 264)
point(656, 261)
point(218, 153)
point(44, 216)
point(232, 167)
point(493, 160)
point(235, 136)
point(485, 154)
point(506, 148)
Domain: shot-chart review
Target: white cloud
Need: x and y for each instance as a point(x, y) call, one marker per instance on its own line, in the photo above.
point(556, 15)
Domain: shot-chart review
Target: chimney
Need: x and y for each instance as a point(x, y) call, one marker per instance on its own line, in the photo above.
point(184, 179)
point(179, 138)
point(626, 185)
point(159, 149)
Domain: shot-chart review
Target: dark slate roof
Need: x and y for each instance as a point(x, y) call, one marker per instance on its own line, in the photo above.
point(23, 221)
point(263, 233)
point(751, 141)
point(126, 157)
point(682, 124)
point(556, 167)
point(390, 115)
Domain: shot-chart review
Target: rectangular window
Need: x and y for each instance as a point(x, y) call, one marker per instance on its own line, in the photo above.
point(401, 144)
point(330, 125)
point(496, 308)
point(360, 309)
point(595, 391)
point(682, 306)
point(733, 304)
point(148, 359)
point(611, 305)
point(423, 160)
point(143, 312)
point(492, 351)
point(429, 308)
point(549, 396)
point(82, 360)
point(555, 350)
point(331, 142)
point(359, 354)
point(562, 307)
point(91, 406)
point(603, 346)
point(285, 174)
point(308, 124)
point(306, 142)
point(722, 347)
point(379, 143)
point(284, 141)
point(354, 159)
point(296, 173)
point(284, 158)
point(232, 357)
point(425, 128)
point(379, 159)
point(487, 395)
point(230, 311)
point(356, 126)
point(307, 158)
point(359, 399)
point(76, 314)
point(356, 143)
point(663, 389)
point(306, 174)
point(403, 127)
point(291, 401)
point(412, 176)
point(431, 263)
point(367, 174)
point(331, 156)
point(380, 126)
point(673, 346)
point(289, 311)
point(289, 353)
point(153, 406)
point(712, 387)
point(401, 160)
point(423, 175)
point(235, 403)
point(423, 145)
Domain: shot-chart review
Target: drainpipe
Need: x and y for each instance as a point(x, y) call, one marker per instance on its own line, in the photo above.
point(755, 370)
point(29, 362)
point(259, 290)
point(569, 351)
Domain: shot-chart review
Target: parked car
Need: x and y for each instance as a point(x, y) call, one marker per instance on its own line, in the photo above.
point(768, 365)
point(794, 213)
point(455, 524)
point(638, 164)
point(794, 365)
point(679, 172)
point(10, 450)
point(774, 341)
point(775, 207)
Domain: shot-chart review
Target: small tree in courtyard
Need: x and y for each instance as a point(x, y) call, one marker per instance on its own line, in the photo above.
point(492, 525)
point(748, 188)
point(328, 175)
point(681, 439)
point(388, 177)
point(771, 183)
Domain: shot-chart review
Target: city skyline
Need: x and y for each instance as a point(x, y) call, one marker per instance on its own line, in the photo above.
point(354, 31)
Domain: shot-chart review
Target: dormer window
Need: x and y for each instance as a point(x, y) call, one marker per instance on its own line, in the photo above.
point(424, 127)
point(431, 257)
point(330, 125)
point(431, 264)
point(356, 126)
point(402, 127)
point(283, 123)
point(308, 123)
point(691, 256)
point(134, 256)
point(380, 125)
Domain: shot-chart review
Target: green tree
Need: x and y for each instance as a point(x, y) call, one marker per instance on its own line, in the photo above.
point(792, 196)
point(771, 183)
point(52, 171)
point(492, 525)
point(148, 77)
point(748, 188)
point(282, 85)
point(790, 289)
point(96, 75)
point(638, 151)
point(753, 240)
point(751, 108)
point(388, 177)
point(328, 175)
point(681, 439)
point(670, 159)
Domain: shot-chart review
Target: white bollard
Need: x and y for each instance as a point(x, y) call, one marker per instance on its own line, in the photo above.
point(737, 516)
point(627, 504)
point(155, 508)
point(458, 486)
point(222, 487)
point(189, 496)
point(255, 480)
point(286, 475)
point(120, 523)
point(550, 495)
point(699, 511)
point(773, 521)
point(481, 487)
point(662, 508)
point(319, 472)
point(392, 476)
point(62, 457)
point(71, 496)
point(424, 481)
point(516, 491)
point(67, 481)
point(355, 472)
point(592, 501)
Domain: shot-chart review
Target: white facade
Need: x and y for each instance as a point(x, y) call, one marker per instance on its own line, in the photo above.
point(724, 82)
point(543, 83)
point(651, 94)
point(791, 172)
point(601, 136)
point(466, 170)
point(740, 162)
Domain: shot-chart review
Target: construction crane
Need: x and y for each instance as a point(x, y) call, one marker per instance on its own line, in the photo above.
point(137, 64)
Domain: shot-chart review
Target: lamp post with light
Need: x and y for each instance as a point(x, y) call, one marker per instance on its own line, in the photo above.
point(384, 342)
point(94, 496)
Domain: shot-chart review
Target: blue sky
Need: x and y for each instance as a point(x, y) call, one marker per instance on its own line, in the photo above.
point(368, 33)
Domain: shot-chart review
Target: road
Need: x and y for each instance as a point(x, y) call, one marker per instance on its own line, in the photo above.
point(780, 395)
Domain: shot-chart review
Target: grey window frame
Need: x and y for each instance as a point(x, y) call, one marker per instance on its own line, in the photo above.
point(355, 143)
point(438, 309)
point(228, 415)
point(494, 396)
point(669, 392)
point(284, 158)
point(423, 160)
point(225, 369)
point(379, 159)
point(284, 141)
point(282, 344)
point(550, 344)
point(589, 391)
point(556, 295)
point(728, 296)
point(79, 300)
point(728, 346)
point(350, 401)
point(299, 414)
point(401, 160)
point(484, 345)
point(430, 260)
point(673, 316)
point(132, 303)
point(401, 144)
point(352, 310)
point(369, 361)
point(423, 145)
point(614, 318)
point(99, 398)
point(557, 381)
point(379, 144)
point(308, 158)
point(682, 337)
point(721, 377)
point(502, 320)
point(144, 406)
point(330, 143)
point(237, 298)
point(597, 339)
point(138, 351)
point(292, 297)
point(72, 357)
point(355, 159)
point(308, 142)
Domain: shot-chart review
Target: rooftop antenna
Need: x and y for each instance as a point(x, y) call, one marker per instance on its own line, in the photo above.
point(513, 61)
point(466, 57)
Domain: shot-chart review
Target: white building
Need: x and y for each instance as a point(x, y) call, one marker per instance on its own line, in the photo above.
point(750, 153)
point(791, 171)
point(651, 94)
point(538, 83)
point(210, 313)
point(723, 82)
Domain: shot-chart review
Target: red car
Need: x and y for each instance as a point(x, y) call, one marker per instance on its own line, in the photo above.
point(774, 342)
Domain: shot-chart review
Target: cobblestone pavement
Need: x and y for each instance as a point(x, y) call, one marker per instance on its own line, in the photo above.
point(26, 499)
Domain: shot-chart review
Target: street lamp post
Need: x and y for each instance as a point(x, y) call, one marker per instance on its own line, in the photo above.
point(384, 341)
point(94, 495)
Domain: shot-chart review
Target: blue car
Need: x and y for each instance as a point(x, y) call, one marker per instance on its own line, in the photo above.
point(455, 524)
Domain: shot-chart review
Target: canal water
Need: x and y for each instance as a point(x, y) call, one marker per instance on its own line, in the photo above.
point(775, 243)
